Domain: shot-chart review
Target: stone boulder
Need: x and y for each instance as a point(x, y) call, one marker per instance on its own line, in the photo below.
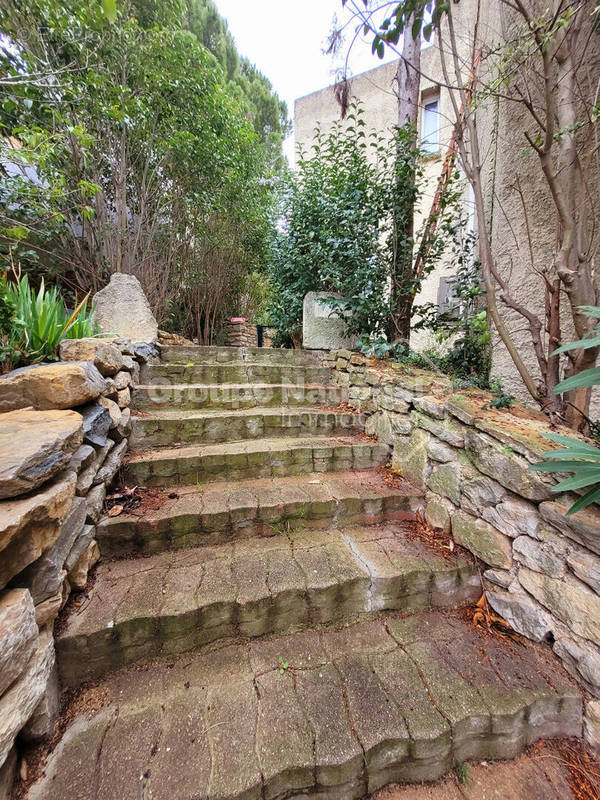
point(122, 309)
point(34, 447)
point(45, 386)
point(18, 635)
point(103, 354)
point(31, 524)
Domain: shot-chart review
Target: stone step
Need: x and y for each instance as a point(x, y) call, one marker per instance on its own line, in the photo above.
point(169, 395)
point(234, 373)
point(171, 354)
point(174, 427)
point(221, 512)
point(331, 714)
point(263, 458)
point(177, 601)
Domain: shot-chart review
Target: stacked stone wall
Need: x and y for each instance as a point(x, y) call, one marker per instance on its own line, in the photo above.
point(540, 567)
point(64, 431)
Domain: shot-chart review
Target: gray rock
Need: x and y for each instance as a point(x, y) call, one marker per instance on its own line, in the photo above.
point(46, 386)
point(440, 451)
point(45, 576)
point(42, 722)
point(438, 512)
point(125, 345)
point(34, 447)
point(8, 774)
point(582, 527)
point(484, 541)
point(591, 724)
point(586, 566)
point(47, 611)
point(447, 430)
point(79, 574)
point(514, 517)
point(445, 479)
point(85, 481)
point(522, 612)
point(124, 398)
point(95, 503)
point(582, 660)
point(82, 458)
point(430, 407)
point(121, 309)
point(29, 525)
point(122, 380)
point(96, 424)
point(81, 545)
point(144, 352)
point(479, 493)
point(103, 354)
point(538, 556)
point(506, 467)
point(18, 634)
point(111, 464)
point(18, 703)
point(322, 328)
point(499, 577)
point(113, 409)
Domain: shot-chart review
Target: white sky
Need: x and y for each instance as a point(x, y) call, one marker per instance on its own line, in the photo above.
point(285, 39)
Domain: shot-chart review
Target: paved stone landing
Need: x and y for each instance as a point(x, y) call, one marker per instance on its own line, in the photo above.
point(328, 714)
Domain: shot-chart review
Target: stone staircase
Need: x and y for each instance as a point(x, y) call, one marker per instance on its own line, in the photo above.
point(269, 628)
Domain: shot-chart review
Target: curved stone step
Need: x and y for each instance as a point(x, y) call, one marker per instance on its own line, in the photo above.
point(218, 513)
point(263, 458)
point(235, 373)
point(182, 354)
point(165, 394)
point(334, 714)
point(174, 602)
point(171, 428)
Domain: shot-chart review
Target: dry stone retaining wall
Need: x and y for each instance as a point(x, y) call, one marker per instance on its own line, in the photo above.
point(63, 435)
point(541, 568)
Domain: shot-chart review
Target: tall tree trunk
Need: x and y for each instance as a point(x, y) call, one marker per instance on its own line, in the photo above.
point(408, 78)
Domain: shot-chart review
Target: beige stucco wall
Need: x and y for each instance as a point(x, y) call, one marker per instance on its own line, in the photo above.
point(506, 168)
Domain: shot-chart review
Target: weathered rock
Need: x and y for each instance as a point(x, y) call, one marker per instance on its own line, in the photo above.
point(506, 467)
point(31, 524)
point(82, 458)
point(125, 345)
point(86, 478)
point(438, 512)
point(581, 659)
point(45, 576)
point(586, 566)
point(122, 379)
point(111, 390)
point(47, 610)
point(514, 517)
point(123, 429)
point(103, 354)
point(113, 409)
point(42, 722)
point(499, 577)
point(538, 556)
point(439, 451)
point(79, 574)
point(18, 703)
point(591, 724)
point(582, 527)
point(524, 614)
point(431, 407)
point(123, 398)
point(570, 601)
point(488, 544)
point(445, 480)
point(8, 774)
point(96, 424)
point(34, 447)
point(383, 428)
point(409, 457)
point(95, 502)
point(18, 634)
point(479, 493)
point(112, 463)
point(122, 309)
point(47, 386)
point(447, 430)
point(81, 545)
point(143, 351)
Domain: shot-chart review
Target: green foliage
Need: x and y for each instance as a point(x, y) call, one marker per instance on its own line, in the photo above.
point(34, 323)
point(577, 457)
point(500, 398)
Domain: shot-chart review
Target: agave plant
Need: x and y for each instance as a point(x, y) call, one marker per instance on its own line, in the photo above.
point(582, 459)
point(40, 320)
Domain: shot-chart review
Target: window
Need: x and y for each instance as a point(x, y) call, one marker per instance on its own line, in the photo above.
point(430, 122)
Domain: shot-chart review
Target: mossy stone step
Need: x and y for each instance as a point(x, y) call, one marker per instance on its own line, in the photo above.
point(234, 373)
point(170, 428)
point(330, 714)
point(170, 395)
point(263, 458)
point(174, 602)
point(175, 354)
point(221, 512)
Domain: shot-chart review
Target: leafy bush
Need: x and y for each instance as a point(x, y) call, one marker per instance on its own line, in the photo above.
point(582, 459)
point(32, 324)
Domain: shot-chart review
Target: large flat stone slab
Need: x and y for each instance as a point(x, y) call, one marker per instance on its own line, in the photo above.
point(262, 458)
point(177, 354)
point(218, 513)
point(18, 634)
point(244, 372)
point(176, 601)
point(47, 386)
point(352, 709)
point(34, 447)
